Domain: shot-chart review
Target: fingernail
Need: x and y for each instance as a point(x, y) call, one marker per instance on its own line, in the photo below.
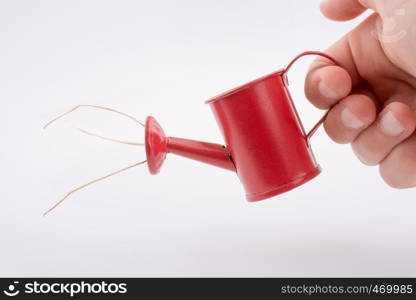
point(350, 120)
point(327, 92)
point(390, 126)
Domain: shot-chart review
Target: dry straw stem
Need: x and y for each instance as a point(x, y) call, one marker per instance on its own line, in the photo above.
point(92, 106)
point(99, 136)
point(91, 182)
point(110, 139)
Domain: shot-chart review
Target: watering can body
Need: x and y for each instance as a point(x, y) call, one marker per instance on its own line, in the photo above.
point(265, 137)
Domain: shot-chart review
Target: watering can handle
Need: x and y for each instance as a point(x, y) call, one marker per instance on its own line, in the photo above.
point(316, 126)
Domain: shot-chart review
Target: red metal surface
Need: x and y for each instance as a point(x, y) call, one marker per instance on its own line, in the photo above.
point(265, 141)
point(265, 137)
point(213, 154)
point(156, 146)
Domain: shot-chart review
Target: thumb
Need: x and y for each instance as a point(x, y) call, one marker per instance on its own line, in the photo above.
point(381, 6)
point(342, 10)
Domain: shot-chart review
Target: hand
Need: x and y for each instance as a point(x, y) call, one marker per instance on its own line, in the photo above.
point(372, 99)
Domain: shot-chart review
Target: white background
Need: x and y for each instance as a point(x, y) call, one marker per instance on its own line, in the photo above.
point(164, 58)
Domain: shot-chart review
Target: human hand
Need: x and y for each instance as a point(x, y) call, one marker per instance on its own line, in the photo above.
point(372, 99)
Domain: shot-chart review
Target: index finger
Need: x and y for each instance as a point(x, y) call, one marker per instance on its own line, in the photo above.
point(326, 83)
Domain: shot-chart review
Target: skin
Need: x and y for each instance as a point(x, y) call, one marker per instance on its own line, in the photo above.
point(372, 97)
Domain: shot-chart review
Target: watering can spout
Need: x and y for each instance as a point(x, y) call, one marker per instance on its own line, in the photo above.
point(158, 145)
point(213, 154)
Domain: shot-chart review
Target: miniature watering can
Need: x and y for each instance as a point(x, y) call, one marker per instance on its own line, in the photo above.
point(265, 142)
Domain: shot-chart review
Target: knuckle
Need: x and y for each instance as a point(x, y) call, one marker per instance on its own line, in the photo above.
point(365, 155)
point(398, 170)
point(394, 178)
point(332, 133)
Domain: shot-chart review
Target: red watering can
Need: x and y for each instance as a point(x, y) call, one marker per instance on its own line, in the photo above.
point(265, 142)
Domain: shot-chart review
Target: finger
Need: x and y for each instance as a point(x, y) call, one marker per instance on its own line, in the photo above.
point(341, 10)
point(325, 83)
point(394, 124)
point(381, 6)
point(349, 118)
point(398, 169)
point(326, 86)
